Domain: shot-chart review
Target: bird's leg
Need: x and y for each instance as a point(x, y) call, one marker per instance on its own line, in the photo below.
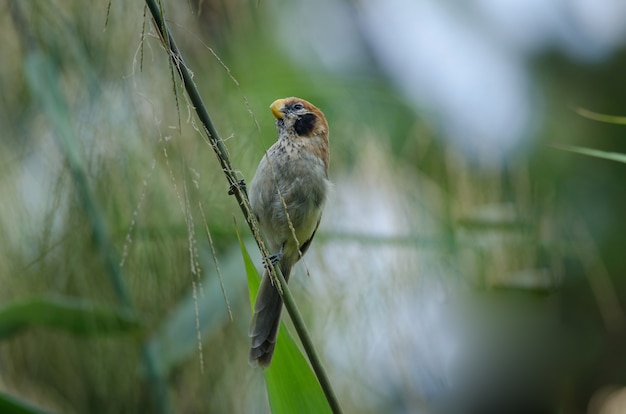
point(241, 184)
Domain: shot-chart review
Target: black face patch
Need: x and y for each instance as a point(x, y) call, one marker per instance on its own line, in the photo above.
point(304, 124)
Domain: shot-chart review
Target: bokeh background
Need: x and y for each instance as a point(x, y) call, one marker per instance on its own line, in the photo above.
point(464, 264)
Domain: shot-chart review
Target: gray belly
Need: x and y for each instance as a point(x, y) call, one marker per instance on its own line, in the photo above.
point(302, 197)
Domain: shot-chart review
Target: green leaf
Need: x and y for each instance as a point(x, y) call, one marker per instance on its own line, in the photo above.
point(291, 384)
point(75, 316)
point(12, 405)
point(613, 156)
point(609, 119)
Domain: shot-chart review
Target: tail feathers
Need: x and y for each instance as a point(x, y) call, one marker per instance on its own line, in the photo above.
point(265, 323)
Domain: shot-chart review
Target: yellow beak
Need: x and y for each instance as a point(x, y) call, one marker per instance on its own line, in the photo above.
point(277, 108)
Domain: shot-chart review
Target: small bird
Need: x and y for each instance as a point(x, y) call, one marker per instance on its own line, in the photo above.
point(287, 196)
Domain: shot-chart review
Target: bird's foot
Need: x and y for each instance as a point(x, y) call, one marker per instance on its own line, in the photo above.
point(241, 184)
point(273, 259)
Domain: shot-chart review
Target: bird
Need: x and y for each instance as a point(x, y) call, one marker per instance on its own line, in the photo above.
point(287, 196)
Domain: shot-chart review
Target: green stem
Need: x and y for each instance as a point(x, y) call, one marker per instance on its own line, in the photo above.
point(224, 160)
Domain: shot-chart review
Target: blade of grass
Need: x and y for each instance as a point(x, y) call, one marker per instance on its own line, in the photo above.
point(291, 384)
point(612, 156)
point(609, 119)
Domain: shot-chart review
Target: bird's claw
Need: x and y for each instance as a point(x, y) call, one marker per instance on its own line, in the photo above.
point(241, 183)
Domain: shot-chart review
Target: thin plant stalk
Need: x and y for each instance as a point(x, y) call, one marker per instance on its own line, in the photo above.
point(238, 190)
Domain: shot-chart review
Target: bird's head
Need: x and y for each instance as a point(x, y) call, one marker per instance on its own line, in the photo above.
point(299, 116)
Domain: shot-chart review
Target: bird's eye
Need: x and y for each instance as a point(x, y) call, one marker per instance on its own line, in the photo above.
point(298, 106)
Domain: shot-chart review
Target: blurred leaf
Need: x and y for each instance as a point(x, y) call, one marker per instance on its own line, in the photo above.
point(13, 405)
point(177, 336)
point(613, 156)
point(291, 384)
point(43, 77)
point(75, 316)
point(610, 119)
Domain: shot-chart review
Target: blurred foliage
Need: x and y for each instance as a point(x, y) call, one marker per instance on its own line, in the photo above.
point(78, 317)
point(534, 242)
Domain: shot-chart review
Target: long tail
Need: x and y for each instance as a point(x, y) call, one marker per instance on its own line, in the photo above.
point(265, 322)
